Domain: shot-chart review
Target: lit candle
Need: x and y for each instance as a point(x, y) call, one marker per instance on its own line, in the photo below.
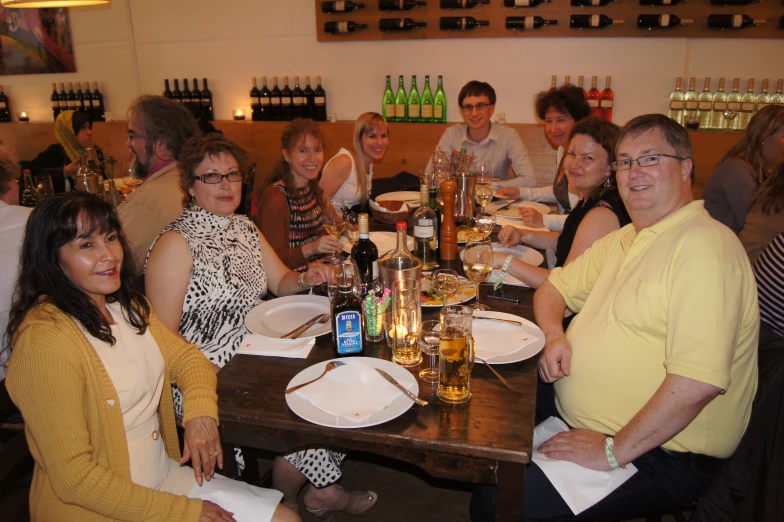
point(239, 114)
point(23, 117)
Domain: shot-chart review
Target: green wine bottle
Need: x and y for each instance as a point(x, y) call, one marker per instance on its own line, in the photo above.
point(426, 112)
point(439, 104)
point(401, 101)
point(388, 103)
point(414, 102)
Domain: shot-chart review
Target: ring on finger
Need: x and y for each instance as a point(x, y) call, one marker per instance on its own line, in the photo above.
point(215, 454)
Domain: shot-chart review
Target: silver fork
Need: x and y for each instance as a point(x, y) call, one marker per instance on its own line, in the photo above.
point(302, 329)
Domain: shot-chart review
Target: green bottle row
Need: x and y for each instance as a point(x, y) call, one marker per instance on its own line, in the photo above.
point(413, 107)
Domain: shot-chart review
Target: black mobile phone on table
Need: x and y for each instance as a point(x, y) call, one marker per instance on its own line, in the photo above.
point(508, 293)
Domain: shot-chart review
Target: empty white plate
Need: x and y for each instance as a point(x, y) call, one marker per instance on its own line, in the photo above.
point(279, 316)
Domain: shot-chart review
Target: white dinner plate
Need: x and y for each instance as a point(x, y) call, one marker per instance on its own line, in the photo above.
point(465, 292)
point(411, 198)
point(307, 411)
point(499, 332)
point(384, 241)
point(521, 252)
point(511, 212)
point(279, 316)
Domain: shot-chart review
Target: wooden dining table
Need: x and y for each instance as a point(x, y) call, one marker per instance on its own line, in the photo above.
point(487, 440)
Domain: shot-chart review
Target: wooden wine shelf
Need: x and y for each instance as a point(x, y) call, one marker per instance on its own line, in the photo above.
point(561, 10)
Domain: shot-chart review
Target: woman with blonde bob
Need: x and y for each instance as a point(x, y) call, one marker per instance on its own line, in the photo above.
point(348, 175)
point(751, 161)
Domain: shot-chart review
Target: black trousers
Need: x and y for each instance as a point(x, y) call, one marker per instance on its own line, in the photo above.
point(663, 482)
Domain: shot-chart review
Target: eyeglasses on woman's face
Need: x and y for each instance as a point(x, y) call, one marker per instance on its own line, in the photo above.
point(213, 178)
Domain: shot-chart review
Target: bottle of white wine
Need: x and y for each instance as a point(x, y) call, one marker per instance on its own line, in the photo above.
point(396, 25)
point(425, 231)
point(719, 106)
point(524, 3)
point(665, 21)
point(705, 105)
point(733, 106)
point(729, 21)
point(426, 112)
point(691, 107)
point(388, 102)
point(592, 21)
point(401, 100)
point(746, 106)
point(521, 23)
point(676, 102)
point(763, 98)
point(343, 27)
point(439, 103)
point(341, 6)
point(776, 99)
point(414, 103)
point(460, 23)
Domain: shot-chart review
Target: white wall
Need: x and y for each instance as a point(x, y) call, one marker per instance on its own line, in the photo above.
point(132, 45)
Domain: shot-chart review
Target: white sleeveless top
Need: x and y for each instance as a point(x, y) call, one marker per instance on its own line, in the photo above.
point(349, 190)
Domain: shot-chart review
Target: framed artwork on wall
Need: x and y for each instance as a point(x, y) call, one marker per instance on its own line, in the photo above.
point(35, 41)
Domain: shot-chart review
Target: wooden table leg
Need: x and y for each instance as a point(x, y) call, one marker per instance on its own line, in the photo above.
point(509, 492)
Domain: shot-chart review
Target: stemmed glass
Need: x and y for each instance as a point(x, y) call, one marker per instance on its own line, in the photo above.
point(334, 224)
point(483, 192)
point(478, 265)
point(428, 342)
point(485, 222)
point(445, 284)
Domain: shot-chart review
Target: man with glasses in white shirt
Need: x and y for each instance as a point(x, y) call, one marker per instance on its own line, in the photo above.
point(497, 145)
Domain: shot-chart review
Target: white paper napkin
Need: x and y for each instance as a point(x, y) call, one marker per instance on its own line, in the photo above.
point(504, 221)
point(253, 344)
point(496, 339)
point(354, 391)
point(580, 487)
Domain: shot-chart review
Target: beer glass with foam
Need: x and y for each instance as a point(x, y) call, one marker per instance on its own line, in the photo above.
point(456, 355)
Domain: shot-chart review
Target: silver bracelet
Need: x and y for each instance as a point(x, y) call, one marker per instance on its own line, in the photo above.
point(301, 281)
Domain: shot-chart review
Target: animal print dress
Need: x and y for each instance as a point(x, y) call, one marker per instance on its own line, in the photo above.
point(227, 281)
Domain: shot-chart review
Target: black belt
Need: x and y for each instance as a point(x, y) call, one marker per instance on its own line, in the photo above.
point(696, 460)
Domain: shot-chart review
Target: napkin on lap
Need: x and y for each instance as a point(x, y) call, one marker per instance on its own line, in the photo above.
point(253, 344)
point(580, 487)
point(354, 391)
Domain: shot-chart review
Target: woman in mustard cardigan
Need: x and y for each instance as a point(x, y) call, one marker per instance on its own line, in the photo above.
point(88, 366)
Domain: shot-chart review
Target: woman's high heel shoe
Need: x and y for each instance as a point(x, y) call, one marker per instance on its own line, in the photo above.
point(353, 503)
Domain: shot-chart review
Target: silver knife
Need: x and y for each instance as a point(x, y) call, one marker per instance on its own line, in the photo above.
point(508, 205)
point(518, 323)
point(405, 390)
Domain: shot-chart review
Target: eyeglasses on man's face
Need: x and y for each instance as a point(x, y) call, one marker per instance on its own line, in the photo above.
point(643, 161)
point(479, 106)
point(213, 178)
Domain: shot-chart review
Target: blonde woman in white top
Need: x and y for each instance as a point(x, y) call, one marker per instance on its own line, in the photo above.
point(348, 175)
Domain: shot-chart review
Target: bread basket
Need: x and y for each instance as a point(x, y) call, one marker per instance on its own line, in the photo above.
point(390, 217)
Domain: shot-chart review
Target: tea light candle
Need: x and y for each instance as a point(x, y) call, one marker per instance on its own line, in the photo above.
point(23, 117)
point(239, 115)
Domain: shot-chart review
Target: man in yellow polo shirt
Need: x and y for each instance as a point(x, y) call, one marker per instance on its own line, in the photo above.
point(659, 367)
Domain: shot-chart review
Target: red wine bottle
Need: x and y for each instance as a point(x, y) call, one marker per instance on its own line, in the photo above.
point(196, 99)
point(729, 21)
point(343, 27)
point(310, 100)
point(206, 101)
point(99, 109)
point(55, 101)
point(399, 5)
point(286, 102)
point(521, 23)
point(275, 102)
point(177, 93)
point(63, 98)
point(166, 90)
point(732, 2)
point(606, 102)
point(462, 4)
point(187, 99)
point(524, 3)
point(665, 21)
point(460, 23)
point(298, 100)
point(656, 3)
point(341, 6)
point(396, 25)
point(590, 3)
point(79, 97)
point(264, 100)
point(87, 100)
point(320, 101)
point(592, 21)
point(255, 103)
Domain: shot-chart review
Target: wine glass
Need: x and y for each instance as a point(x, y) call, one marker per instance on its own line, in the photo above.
point(352, 226)
point(334, 224)
point(462, 208)
point(428, 343)
point(478, 265)
point(445, 284)
point(483, 192)
point(485, 222)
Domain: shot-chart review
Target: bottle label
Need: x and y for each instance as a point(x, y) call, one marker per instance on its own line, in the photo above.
point(427, 111)
point(424, 230)
point(522, 3)
point(747, 107)
point(400, 110)
point(595, 21)
point(375, 269)
point(413, 111)
point(265, 101)
point(348, 332)
point(285, 101)
point(319, 100)
point(705, 105)
point(664, 20)
point(596, 2)
point(529, 22)
point(298, 100)
point(666, 2)
point(593, 103)
point(206, 100)
point(254, 102)
point(55, 104)
point(438, 111)
point(737, 21)
point(606, 104)
point(2, 105)
point(720, 106)
point(676, 105)
point(733, 106)
point(389, 109)
point(275, 100)
point(342, 27)
point(340, 5)
point(692, 105)
point(186, 99)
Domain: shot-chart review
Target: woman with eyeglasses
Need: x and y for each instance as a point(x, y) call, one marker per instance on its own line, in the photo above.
point(289, 211)
point(599, 211)
point(203, 275)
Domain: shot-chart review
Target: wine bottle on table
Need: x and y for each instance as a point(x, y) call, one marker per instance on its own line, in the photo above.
point(255, 103)
point(593, 96)
point(729, 21)
point(414, 103)
point(341, 6)
point(196, 99)
point(396, 25)
point(206, 101)
point(167, 93)
point(733, 106)
point(99, 109)
point(401, 100)
point(676, 102)
point(365, 254)
point(524, 3)
point(607, 100)
point(55, 101)
point(320, 101)
point(718, 122)
point(275, 102)
point(521, 23)
point(310, 100)
point(460, 23)
point(177, 93)
point(286, 101)
point(425, 231)
point(747, 106)
point(691, 106)
point(426, 112)
point(763, 98)
point(439, 103)
point(433, 202)
point(399, 5)
point(388, 102)
point(592, 21)
point(665, 21)
point(30, 196)
point(462, 4)
point(187, 99)
point(265, 97)
point(343, 27)
point(347, 337)
point(300, 110)
point(401, 257)
point(705, 105)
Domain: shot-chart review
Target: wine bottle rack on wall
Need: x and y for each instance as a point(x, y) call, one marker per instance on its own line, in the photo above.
point(561, 10)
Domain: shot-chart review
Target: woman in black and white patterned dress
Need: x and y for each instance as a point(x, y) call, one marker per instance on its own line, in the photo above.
point(207, 270)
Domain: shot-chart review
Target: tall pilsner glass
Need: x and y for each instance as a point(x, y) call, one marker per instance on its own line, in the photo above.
point(407, 317)
point(456, 355)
